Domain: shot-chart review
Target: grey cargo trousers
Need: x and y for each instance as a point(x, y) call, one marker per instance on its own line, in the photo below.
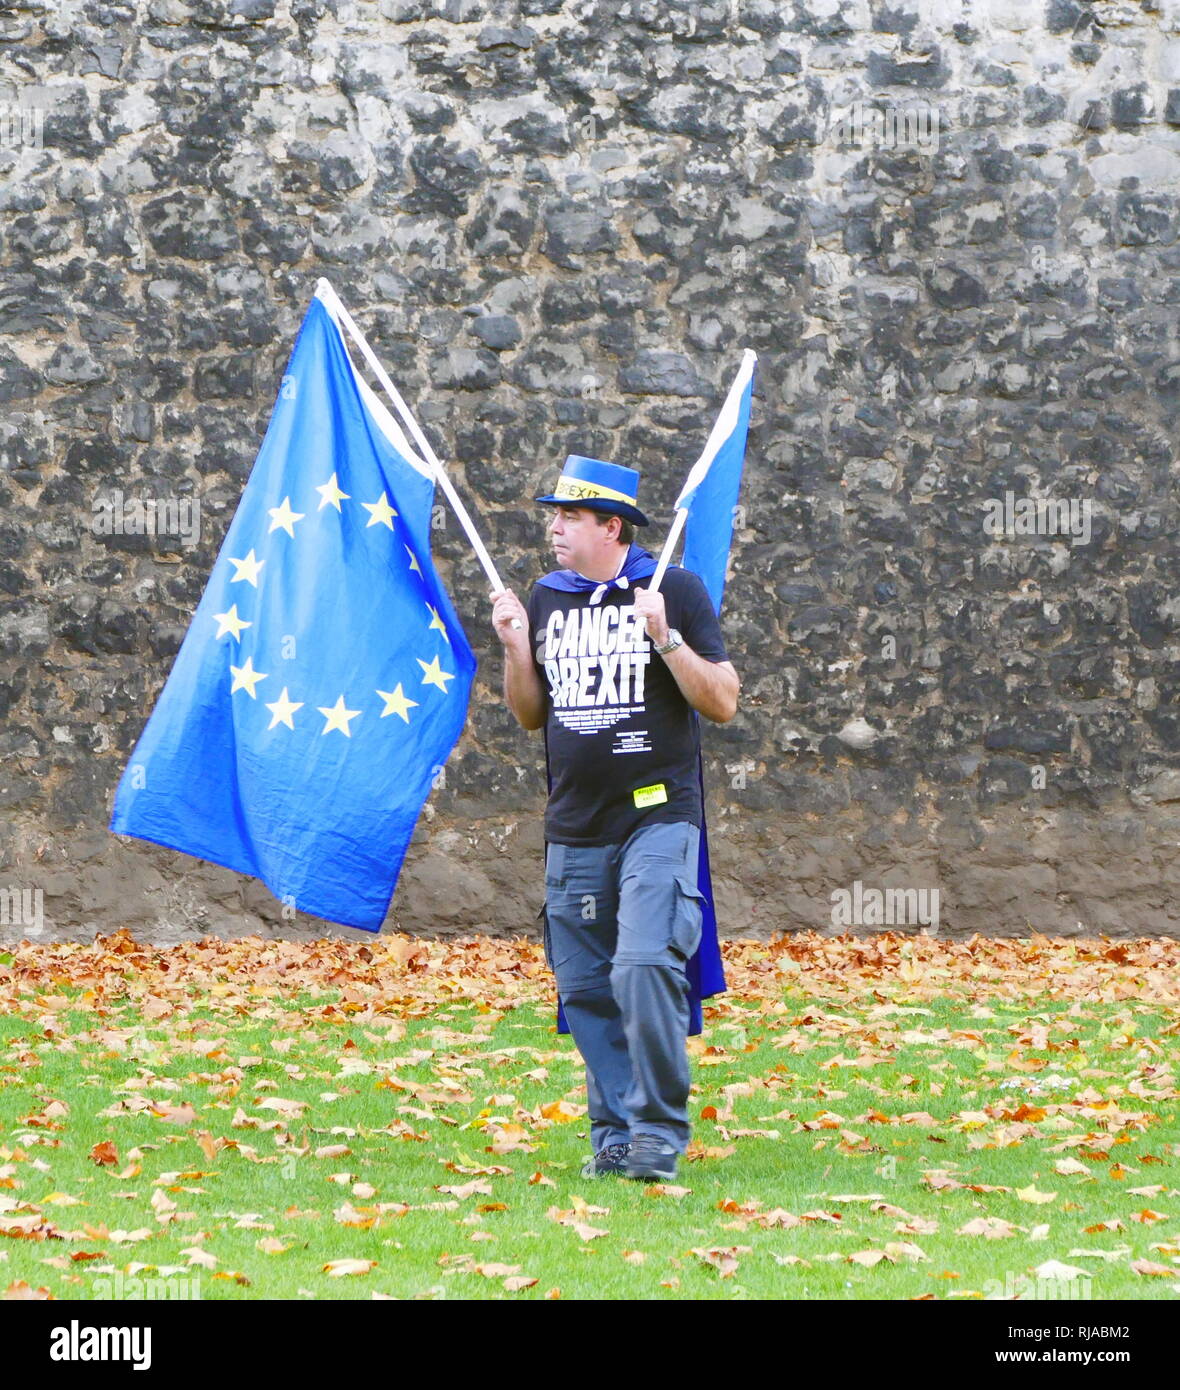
point(621, 920)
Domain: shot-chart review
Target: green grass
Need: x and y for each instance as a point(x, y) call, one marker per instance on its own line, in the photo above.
point(421, 1253)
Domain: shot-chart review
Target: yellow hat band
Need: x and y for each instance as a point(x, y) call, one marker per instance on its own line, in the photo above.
point(575, 490)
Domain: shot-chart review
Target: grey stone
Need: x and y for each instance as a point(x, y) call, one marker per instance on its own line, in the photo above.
point(558, 236)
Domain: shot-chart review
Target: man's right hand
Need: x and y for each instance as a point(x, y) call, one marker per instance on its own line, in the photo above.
point(505, 607)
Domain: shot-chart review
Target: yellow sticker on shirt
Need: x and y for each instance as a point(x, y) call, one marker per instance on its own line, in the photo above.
point(650, 796)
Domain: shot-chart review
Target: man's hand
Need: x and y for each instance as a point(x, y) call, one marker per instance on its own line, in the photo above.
point(650, 606)
point(710, 687)
point(505, 607)
point(523, 691)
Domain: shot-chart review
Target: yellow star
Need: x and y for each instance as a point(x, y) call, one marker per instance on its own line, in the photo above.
point(230, 622)
point(397, 703)
point(432, 675)
point(247, 569)
point(437, 622)
point(282, 710)
point(338, 717)
point(246, 678)
point(283, 516)
point(330, 492)
point(414, 565)
point(380, 512)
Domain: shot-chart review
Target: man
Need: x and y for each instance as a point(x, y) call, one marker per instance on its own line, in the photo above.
point(615, 674)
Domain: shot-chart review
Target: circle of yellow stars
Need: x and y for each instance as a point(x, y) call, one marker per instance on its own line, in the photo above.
point(337, 717)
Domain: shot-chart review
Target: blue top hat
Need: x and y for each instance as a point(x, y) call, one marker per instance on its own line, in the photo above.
point(603, 487)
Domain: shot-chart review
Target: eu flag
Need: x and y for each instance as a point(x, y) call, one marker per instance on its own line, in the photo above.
point(324, 679)
point(710, 492)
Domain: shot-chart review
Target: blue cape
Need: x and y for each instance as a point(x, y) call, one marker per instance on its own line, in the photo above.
point(706, 976)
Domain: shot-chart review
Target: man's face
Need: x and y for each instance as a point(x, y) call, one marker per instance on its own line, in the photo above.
point(578, 539)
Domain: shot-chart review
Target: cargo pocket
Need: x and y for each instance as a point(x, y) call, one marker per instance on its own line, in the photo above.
point(688, 920)
point(543, 918)
point(554, 866)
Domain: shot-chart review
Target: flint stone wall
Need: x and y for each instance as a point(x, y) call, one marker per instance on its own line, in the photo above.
point(559, 225)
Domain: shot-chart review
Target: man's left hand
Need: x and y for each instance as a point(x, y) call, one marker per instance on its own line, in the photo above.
point(650, 606)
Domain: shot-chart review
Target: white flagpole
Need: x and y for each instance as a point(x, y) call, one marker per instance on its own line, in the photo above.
point(333, 302)
point(669, 546)
point(722, 428)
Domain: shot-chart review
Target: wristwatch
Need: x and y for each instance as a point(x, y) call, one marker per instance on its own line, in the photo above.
point(674, 640)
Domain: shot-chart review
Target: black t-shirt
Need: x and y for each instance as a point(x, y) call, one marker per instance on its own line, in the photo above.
point(616, 722)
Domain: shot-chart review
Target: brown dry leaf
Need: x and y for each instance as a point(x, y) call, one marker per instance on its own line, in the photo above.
point(562, 1112)
point(348, 1215)
point(515, 1282)
point(174, 1114)
point(723, 1260)
point(208, 1144)
point(1030, 1194)
point(21, 1292)
point(904, 1250)
point(1054, 1269)
point(885, 1209)
point(585, 1208)
point(917, 1226)
point(991, 1227)
point(104, 1152)
point(132, 1237)
point(337, 1269)
point(468, 1189)
point(197, 1256)
point(778, 1218)
point(1149, 1267)
point(509, 1138)
point(586, 1232)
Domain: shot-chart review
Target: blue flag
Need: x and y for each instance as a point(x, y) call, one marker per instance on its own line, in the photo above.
point(711, 489)
point(324, 679)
